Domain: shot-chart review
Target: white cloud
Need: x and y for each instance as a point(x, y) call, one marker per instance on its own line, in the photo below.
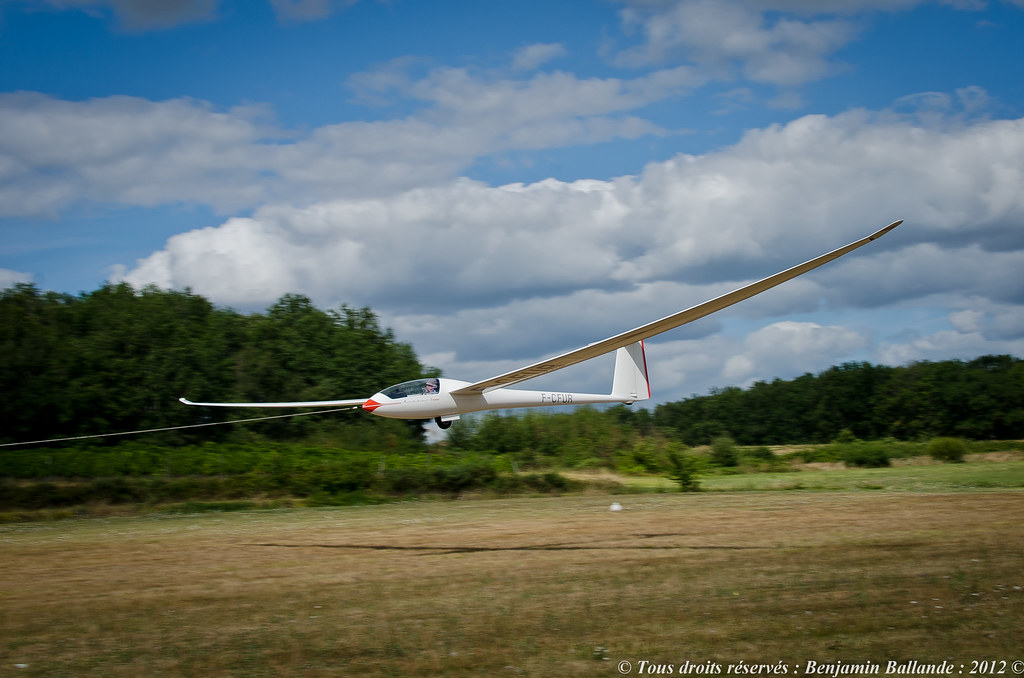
point(786, 349)
point(790, 346)
point(481, 277)
point(245, 260)
point(945, 345)
point(9, 278)
point(786, 43)
point(724, 36)
point(127, 150)
point(967, 321)
point(531, 57)
point(924, 270)
point(995, 322)
point(463, 95)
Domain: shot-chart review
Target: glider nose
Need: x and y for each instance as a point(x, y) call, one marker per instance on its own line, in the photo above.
point(370, 405)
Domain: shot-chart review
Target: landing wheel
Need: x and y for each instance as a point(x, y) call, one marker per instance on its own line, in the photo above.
point(442, 424)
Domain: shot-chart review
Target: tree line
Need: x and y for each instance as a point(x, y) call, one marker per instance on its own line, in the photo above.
point(981, 399)
point(118, 359)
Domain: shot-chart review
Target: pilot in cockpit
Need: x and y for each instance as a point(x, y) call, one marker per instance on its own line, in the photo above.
point(432, 387)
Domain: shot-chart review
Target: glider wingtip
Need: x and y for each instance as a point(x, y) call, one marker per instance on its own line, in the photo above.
point(883, 231)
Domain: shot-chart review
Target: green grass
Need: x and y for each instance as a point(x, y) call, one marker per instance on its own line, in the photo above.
point(925, 478)
point(909, 475)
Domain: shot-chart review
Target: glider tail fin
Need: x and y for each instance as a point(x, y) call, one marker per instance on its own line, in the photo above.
point(630, 381)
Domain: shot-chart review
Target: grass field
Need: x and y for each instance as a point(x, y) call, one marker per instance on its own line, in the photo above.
point(521, 587)
point(920, 474)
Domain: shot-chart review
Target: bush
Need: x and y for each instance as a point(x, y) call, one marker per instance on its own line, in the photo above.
point(456, 479)
point(544, 482)
point(865, 455)
point(442, 479)
point(643, 458)
point(819, 454)
point(845, 437)
point(761, 453)
point(405, 480)
point(950, 450)
point(683, 471)
point(723, 451)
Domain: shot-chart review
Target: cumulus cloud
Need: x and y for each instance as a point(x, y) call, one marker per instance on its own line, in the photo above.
point(728, 36)
point(461, 94)
point(55, 153)
point(945, 345)
point(9, 278)
point(791, 346)
point(480, 275)
point(129, 150)
point(533, 56)
point(786, 43)
point(680, 367)
point(926, 269)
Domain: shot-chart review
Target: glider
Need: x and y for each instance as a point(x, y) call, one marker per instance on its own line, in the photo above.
point(444, 400)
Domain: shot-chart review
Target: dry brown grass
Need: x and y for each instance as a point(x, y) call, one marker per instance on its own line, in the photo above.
point(518, 587)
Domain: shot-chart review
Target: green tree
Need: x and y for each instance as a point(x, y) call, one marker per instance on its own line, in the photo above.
point(983, 398)
point(723, 451)
point(117, 359)
point(682, 470)
point(950, 450)
point(33, 357)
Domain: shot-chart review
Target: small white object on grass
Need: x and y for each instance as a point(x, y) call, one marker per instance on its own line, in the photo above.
point(616, 506)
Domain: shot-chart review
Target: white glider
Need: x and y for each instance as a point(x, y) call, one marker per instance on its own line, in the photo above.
point(445, 399)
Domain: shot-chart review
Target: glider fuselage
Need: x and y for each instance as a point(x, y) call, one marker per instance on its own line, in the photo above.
point(413, 400)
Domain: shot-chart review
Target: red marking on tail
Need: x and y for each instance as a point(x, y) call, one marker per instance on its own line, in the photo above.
point(643, 353)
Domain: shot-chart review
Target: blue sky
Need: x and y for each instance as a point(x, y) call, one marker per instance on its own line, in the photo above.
point(501, 181)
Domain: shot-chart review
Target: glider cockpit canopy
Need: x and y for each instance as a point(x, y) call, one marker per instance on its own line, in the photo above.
point(415, 387)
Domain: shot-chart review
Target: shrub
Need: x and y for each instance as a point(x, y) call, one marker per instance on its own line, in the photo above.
point(683, 470)
point(819, 454)
point(723, 451)
point(405, 480)
point(643, 457)
point(947, 449)
point(443, 479)
point(546, 482)
point(556, 482)
point(455, 479)
point(761, 453)
point(865, 455)
point(845, 437)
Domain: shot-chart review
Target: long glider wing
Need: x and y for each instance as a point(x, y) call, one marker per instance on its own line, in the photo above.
point(665, 324)
point(357, 402)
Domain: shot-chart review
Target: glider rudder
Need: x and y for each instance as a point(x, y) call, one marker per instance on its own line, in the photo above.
point(630, 381)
